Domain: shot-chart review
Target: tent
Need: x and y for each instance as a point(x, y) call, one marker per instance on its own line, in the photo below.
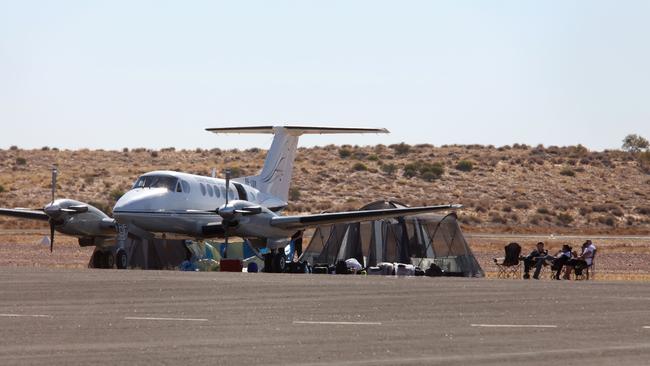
point(419, 240)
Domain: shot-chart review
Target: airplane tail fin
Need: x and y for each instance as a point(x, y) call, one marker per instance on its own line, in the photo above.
point(275, 177)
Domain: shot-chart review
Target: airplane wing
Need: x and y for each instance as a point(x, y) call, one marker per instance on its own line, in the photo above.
point(24, 213)
point(303, 221)
point(296, 130)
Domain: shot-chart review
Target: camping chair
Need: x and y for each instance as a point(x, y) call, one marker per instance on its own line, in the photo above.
point(509, 266)
point(589, 272)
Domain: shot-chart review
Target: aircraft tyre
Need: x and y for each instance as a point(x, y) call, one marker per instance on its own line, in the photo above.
point(98, 259)
point(109, 260)
point(121, 260)
point(279, 262)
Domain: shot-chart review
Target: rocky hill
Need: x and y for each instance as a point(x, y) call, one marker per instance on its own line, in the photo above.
point(514, 188)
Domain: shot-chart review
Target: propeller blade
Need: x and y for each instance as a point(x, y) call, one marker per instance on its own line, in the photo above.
point(51, 237)
point(55, 173)
point(227, 185)
point(250, 210)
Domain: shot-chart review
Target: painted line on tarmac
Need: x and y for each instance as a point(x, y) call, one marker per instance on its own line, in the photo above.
point(336, 323)
point(514, 325)
point(646, 327)
point(169, 319)
point(25, 316)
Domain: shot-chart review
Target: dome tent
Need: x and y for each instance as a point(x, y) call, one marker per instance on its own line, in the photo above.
point(419, 240)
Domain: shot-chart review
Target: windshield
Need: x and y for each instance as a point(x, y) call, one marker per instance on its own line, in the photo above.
point(156, 181)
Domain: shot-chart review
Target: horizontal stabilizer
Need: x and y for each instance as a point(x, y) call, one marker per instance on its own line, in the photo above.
point(299, 222)
point(296, 130)
point(24, 214)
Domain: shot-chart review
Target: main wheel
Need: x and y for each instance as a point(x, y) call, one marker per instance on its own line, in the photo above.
point(279, 261)
point(98, 259)
point(109, 261)
point(121, 260)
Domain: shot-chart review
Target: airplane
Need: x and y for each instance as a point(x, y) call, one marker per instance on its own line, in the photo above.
point(188, 206)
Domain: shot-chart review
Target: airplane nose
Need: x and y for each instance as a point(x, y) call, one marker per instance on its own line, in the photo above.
point(138, 200)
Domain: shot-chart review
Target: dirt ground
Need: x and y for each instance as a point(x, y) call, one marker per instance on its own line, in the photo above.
point(618, 258)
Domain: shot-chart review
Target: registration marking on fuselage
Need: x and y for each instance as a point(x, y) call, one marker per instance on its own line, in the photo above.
point(25, 316)
point(514, 325)
point(336, 323)
point(169, 319)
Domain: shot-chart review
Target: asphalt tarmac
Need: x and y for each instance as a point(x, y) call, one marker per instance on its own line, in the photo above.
point(108, 317)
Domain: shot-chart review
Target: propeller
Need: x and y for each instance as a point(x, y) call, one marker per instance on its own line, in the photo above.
point(55, 212)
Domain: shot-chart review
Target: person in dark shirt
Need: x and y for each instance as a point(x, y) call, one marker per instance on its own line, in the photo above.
point(537, 258)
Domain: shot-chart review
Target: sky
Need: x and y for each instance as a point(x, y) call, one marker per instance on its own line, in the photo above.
point(114, 74)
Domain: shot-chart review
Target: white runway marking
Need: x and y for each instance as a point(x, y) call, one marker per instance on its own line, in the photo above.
point(336, 323)
point(171, 319)
point(646, 327)
point(513, 325)
point(25, 316)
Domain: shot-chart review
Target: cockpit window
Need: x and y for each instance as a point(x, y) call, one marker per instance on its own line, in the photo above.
point(156, 181)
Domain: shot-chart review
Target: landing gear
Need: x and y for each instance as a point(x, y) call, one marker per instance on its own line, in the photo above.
point(279, 261)
point(121, 260)
point(98, 259)
point(109, 260)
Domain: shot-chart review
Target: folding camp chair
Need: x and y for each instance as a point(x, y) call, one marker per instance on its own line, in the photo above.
point(589, 272)
point(509, 266)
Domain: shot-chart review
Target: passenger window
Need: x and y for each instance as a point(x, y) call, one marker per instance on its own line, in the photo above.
point(186, 186)
point(178, 187)
point(231, 194)
point(202, 188)
point(216, 192)
point(210, 193)
point(223, 191)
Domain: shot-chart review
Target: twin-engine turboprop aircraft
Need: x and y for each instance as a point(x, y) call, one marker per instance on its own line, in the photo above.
point(190, 206)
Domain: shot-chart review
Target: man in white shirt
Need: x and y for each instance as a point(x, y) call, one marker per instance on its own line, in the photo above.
point(584, 260)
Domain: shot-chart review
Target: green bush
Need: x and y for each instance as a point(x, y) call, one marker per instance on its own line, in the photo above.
point(2, 188)
point(465, 166)
point(389, 169)
point(294, 194)
point(373, 157)
point(424, 170)
point(116, 193)
point(564, 218)
point(401, 148)
point(635, 143)
point(21, 161)
point(359, 167)
point(345, 153)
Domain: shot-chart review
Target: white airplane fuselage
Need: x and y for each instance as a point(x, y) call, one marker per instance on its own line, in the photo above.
point(174, 207)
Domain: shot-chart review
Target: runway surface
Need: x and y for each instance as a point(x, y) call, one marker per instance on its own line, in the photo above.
point(107, 317)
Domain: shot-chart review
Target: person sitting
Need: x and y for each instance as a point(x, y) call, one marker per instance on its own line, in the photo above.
point(561, 258)
point(537, 257)
point(582, 261)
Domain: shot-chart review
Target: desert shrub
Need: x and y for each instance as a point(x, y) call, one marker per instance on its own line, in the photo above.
point(496, 218)
point(578, 151)
point(401, 148)
point(564, 218)
point(567, 172)
point(634, 143)
point(294, 194)
point(425, 170)
point(168, 149)
point(125, 150)
point(617, 212)
point(506, 208)
point(389, 169)
point(373, 157)
point(13, 147)
point(543, 211)
point(584, 211)
point(643, 210)
point(480, 208)
point(154, 154)
point(359, 167)
point(236, 172)
point(522, 205)
point(465, 166)
point(607, 220)
point(2, 188)
point(45, 148)
point(21, 161)
point(605, 207)
point(536, 219)
point(115, 194)
point(345, 153)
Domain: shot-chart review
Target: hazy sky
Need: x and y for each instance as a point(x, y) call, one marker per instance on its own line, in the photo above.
point(113, 74)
